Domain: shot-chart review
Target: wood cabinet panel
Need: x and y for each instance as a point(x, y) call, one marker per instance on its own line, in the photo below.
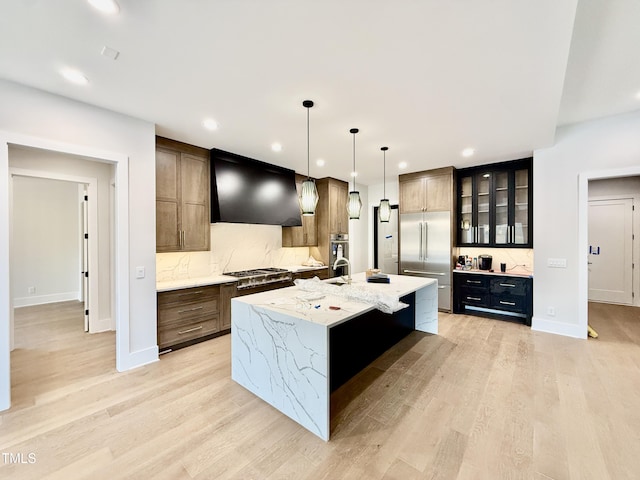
point(412, 196)
point(182, 197)
point(307, 234)
point(187, 315)
point(227, 292)
point(439, 192)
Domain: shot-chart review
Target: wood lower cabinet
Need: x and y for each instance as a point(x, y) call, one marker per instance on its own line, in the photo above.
point(187, 316)
point(182, 197)
point(307, 234)
point(500, 296)
point(321, 273)
point(227, 292)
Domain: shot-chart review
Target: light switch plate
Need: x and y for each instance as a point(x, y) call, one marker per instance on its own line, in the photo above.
point(140, 273)
point(557, 262)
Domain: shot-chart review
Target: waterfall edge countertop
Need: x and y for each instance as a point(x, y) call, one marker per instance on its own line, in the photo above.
point(292, 351)
point(316, 308)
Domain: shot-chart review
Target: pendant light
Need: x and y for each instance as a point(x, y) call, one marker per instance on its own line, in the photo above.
point(309, 193)
point(384, 210)
point(355, 204)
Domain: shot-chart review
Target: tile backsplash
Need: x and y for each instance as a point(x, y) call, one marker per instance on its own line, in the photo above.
point(518, 260)
point(234, 246)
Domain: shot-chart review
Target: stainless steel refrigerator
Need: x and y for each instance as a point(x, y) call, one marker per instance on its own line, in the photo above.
point(425, 250)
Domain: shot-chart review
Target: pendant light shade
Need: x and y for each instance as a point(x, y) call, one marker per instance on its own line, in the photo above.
point(309, 193)
point(354, 205)
point(384, 210)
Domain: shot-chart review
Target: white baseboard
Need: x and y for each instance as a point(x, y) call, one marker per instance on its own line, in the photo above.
point(139, 358)
point(558, 328)
point(42, 299)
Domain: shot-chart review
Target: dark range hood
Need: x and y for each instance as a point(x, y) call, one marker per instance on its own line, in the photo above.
point(244, 190)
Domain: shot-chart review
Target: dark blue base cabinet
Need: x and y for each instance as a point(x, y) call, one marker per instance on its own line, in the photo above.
point(505, 297)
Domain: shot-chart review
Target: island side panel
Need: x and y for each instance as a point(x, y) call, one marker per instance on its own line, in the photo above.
point(427, 309)
point(283, 360)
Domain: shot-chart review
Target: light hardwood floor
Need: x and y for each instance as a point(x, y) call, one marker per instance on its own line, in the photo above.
point(485, 399)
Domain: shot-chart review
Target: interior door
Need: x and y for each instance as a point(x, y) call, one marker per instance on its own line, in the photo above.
point(611, 251)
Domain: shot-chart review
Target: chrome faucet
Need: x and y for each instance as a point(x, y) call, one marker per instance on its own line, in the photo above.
point(348, 263)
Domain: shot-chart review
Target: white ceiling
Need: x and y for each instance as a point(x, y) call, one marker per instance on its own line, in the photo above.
point(427, 78)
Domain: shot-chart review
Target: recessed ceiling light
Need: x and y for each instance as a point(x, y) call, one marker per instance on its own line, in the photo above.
point(74, 76)
point(320, 162)
point(110, 7)
point(276, 147)
point(467, 152)
point(210, 124)
point(638, 95)
point(402, 165)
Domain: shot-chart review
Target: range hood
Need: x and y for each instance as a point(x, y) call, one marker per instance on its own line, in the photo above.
point(244, 190)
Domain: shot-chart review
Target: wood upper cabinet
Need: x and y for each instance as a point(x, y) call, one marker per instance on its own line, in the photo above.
point(338, 215)
point(429, 191)
point(182, 197)
point(307, 234)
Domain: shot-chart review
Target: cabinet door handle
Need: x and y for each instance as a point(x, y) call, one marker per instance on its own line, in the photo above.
point(199, 292)
point(502, 302)
point(191, 309)
point(474, 281)
point(507, 285)
point(477, 299)
point(189, 330)
point(513, 234)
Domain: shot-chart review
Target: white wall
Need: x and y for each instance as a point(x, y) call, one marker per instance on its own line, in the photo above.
point(46, 242)
point(129, 142)
point(601, 148)
point(358, 235)
point(65, 164)
point(375, 194)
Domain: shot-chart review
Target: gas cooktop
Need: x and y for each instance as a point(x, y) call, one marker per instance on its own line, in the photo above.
point(257, 272)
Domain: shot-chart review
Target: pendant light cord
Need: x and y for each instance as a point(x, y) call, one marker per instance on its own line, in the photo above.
point(308, 168)
point(384, 174)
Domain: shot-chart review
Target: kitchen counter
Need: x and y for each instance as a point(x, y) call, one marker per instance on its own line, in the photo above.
point(169, 285)
point(516, 273)
point(288, 346)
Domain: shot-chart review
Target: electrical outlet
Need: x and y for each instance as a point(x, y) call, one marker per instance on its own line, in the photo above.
point(31, 290)
point(551, 311)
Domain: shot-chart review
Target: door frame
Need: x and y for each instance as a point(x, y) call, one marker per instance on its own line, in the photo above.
point(121, 258)
point(92, 191)
point(583, 237)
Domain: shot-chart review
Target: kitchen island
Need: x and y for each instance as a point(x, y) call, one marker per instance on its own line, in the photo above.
point(292, 347)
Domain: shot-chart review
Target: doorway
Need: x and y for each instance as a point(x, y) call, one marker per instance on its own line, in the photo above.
point(124, 358)
point(385, 242)
point(591, 184)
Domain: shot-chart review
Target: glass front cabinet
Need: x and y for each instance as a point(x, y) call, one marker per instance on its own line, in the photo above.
point(495, 205)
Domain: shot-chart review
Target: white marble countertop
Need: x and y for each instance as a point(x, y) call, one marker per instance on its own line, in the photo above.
point(193, 282)
point(300, 304)
point(511, 273)
point(169, 285)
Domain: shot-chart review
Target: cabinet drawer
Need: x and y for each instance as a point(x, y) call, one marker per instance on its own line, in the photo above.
point(512, 303)
point(471, 297)
point(184, 295)
point(174, 333)
point(509, 285)
point(475, 281)
point(179, 314)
